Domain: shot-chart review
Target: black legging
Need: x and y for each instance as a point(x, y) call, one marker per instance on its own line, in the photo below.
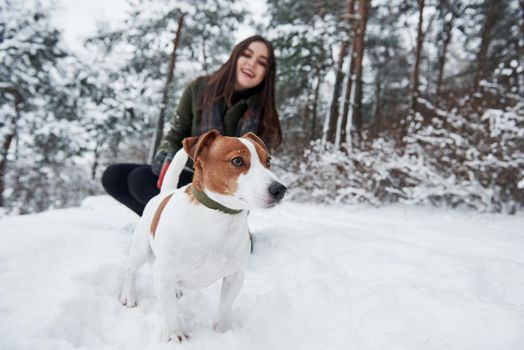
point(135, 184)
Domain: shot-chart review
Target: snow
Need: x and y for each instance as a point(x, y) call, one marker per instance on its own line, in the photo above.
point(321, 277)
point(79, 19)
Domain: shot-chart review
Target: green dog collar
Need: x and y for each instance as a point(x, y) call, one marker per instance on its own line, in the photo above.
point(211, 204)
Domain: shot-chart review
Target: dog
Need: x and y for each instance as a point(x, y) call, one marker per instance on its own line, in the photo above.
point(198, 233)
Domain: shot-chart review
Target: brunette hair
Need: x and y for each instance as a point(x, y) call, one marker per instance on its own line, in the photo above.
point(221, 84)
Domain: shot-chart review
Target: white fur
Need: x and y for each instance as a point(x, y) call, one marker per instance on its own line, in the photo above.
point(195, 246)
point(173, 172)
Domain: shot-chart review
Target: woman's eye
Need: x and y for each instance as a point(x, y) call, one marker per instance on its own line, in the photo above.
point(237, 161)
point(262, 63)
point(246, 54)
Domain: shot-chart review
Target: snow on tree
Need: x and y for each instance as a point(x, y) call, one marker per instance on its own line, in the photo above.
point(41, 135)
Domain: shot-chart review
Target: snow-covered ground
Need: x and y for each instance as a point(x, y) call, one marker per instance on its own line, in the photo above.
point(320, 278)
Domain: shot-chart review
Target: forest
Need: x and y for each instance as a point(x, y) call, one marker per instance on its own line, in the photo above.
point(412, 101)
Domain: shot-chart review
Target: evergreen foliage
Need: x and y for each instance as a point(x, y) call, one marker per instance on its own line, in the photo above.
point(450, 161)
point(39, 130)
point(64, 118)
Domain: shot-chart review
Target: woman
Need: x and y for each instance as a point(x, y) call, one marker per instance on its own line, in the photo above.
point(236, 99)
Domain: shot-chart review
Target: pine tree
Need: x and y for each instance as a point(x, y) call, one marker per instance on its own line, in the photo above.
point(306, 36)
point(37, 102)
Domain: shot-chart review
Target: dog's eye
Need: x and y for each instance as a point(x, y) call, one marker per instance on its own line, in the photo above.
point(237, 161)
point(268, 162)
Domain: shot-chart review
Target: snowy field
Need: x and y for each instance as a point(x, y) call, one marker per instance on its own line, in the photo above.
point(320, 278)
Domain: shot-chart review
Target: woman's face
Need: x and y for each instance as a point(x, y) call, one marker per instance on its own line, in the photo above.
point(252, 66)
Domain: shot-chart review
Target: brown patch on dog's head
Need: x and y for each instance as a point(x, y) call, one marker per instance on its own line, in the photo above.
point(196, 144)
point(257, 140)
point(158, 213)
point(219, 163)
point(260, 147)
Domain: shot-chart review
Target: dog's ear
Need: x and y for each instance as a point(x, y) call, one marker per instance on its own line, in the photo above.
point(251, 136)
point(194, 145)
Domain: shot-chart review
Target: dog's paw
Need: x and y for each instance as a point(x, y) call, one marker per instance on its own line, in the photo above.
point(175, 336)
point(127, 300)
point(179, 338)
point(179, 294)
point(223, 326)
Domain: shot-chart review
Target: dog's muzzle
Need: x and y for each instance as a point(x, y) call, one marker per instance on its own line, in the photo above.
point(277, 191)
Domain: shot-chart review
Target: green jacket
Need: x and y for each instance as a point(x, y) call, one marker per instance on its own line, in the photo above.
point(187, 118)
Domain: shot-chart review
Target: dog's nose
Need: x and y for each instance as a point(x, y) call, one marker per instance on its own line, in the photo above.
point(277, 191)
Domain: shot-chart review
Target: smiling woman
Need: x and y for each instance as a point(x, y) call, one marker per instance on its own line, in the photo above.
point(237, 99)
point(251, 66)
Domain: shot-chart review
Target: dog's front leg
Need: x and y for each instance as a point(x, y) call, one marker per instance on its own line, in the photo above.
point(165, 287)
point(138, 255)
point(231, 286)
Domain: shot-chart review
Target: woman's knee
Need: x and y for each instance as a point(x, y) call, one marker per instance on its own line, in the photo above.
point(108, 177)
point(142, 184)
point(115, 176)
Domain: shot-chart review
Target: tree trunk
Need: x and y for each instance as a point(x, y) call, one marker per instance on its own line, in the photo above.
point(306, 114)
point(159, 130)
point(520, 50)
point(447, 30)
point(418, 56)
point(359, 55)
point(8, 138)
point(3, 164)
point(376, 109)
point(480, 71)
point(204, 55)
point(349, 81)
point(348, 96)
point(96, 153)
point(333, 111)
point(314, 118)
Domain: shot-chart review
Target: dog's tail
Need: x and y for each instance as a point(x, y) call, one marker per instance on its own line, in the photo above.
point(173, 172)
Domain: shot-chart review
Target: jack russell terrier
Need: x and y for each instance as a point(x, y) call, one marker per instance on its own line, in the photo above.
point(198, 233)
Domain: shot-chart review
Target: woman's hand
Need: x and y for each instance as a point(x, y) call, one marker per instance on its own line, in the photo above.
point(160, 158)
point(160, 164)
